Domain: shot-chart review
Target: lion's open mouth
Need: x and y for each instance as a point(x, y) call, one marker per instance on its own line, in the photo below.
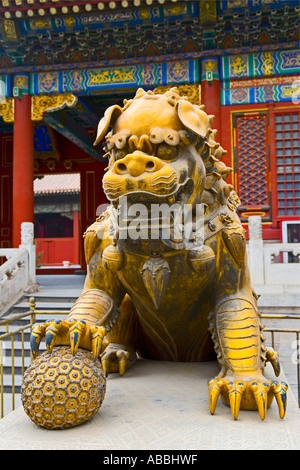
point(179, 196)
point(158, 185)
point(150, 214)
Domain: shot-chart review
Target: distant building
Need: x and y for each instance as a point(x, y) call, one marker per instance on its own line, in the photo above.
point(56, 219)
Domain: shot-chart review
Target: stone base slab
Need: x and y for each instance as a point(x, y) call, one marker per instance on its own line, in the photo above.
point(161, 406)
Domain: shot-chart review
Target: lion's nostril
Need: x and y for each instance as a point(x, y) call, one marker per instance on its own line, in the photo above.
point(122, 167)
point(150, 165)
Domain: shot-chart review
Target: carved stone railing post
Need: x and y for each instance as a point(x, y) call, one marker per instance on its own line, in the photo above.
point(14, 276)
point(256, 251)
point(282, 274)
point(27, 241)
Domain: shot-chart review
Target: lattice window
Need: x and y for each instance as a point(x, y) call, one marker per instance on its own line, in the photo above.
point(251, 162)
point(287, 162)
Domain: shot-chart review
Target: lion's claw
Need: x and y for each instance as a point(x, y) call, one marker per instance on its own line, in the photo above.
point(215, 387)
point(279, 389)
point(37, 333)
point(260, 391)
point(235, 392)
point(76, 333)
point(247, 394)
point(97, 335)
point(117, 358)
point(51, 333)
point(273, 358)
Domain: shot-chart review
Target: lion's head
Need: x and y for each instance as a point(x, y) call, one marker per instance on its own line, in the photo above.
point(162, 148)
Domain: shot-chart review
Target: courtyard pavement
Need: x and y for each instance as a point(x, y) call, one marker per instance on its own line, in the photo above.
point(163, 406)
point(285, 343)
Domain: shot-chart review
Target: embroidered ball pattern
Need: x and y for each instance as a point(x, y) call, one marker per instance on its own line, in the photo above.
point(61, 390)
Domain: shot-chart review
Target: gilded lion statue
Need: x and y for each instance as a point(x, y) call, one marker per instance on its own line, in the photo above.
point(155, 289)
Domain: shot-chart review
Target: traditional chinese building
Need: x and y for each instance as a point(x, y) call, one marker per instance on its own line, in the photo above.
point(56, 220)
point(62, 63)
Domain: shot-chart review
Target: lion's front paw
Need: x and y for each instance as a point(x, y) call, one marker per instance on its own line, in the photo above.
point(68, 332)
point(117, 358)
point(248, 393)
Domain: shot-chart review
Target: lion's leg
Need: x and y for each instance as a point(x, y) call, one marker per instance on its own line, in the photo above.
point(119, 353)
point(236, 331)
point(90, 319)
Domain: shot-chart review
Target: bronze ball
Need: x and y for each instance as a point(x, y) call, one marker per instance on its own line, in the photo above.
point(61, 390)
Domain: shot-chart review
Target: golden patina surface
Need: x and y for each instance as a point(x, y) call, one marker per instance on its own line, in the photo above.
point(170, 298)
point(49, 103)
point(61, 390)
point(7, 109)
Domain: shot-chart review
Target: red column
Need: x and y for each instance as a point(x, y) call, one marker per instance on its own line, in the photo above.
point(211, 92)
point(23, 196)
point(211, 97)
point(76, 240)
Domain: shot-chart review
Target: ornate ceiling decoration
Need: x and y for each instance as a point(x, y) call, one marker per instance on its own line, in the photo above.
point(36, 34)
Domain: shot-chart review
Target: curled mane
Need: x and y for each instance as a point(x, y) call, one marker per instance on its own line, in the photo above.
point(198, 131)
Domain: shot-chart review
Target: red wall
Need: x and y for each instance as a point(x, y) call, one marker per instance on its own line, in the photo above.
point(57, 250)
point(271, 230)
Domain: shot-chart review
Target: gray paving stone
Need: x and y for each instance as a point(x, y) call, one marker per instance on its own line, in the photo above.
point(161, 406)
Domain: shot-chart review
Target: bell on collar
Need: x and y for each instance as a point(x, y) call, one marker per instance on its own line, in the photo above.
point(113, 258)
point(156, 274)
point(201, 258)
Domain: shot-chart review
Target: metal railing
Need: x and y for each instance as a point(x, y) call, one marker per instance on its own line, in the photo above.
point(12, 333)
point(33, 313)
point(295, 331)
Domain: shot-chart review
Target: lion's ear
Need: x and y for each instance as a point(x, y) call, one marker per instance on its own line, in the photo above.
point(194, 118)
point(111, 114)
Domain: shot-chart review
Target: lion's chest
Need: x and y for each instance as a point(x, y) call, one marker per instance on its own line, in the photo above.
point(170, 294)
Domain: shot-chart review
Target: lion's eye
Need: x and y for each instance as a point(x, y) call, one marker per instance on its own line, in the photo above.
point(166, 152)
